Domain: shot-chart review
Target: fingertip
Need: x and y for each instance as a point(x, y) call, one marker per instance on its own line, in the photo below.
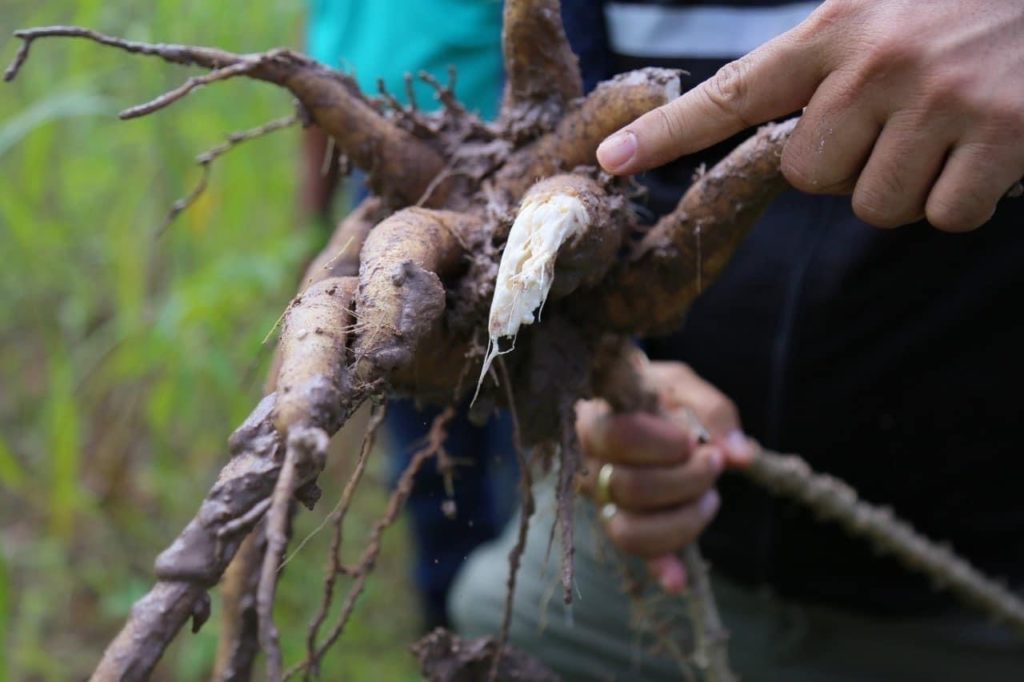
point(670, 573)
point(617, 152)
point(708, 505)
point(740, 450)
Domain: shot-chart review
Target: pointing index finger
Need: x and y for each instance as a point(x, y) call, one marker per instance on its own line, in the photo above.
point(776, 79)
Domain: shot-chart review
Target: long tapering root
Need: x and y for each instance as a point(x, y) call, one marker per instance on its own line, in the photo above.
point(337, 518)
point(239, 624)
point(833, 500)
point(206, 159)
point(196, 559)
point(401, 167)
point(305, 455)
point(515, 555)
point(155, 620)
point(245, 489)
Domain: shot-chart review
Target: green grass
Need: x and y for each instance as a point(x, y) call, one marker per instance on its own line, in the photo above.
point(125, 360)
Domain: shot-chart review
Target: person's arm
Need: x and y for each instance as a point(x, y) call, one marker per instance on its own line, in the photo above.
point(662, 469)
point(917, 108)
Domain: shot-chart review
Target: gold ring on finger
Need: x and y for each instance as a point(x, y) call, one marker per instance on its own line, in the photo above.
point(603, 491)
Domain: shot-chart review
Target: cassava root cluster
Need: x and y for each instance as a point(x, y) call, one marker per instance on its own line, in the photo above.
point(474, 229)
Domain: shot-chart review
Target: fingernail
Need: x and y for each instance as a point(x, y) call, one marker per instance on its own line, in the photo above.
point(717, 460)
point(739, 446)
point(708, 504)
point(670, 574)
point(617, 150)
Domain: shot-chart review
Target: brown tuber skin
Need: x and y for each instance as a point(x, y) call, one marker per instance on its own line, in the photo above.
point(312, 380)
point(340, 258)
point(542, 71)
point(401, 294)
point(610, 106)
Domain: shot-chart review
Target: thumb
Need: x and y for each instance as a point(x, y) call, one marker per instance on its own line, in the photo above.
point(776, 79)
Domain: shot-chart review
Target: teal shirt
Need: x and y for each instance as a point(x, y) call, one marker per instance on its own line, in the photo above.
point(386, 39)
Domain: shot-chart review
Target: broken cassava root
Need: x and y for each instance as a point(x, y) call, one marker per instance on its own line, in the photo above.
point(568, 218)
point(411, 310)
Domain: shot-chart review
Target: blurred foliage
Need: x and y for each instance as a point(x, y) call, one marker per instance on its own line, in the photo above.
point(126, 360)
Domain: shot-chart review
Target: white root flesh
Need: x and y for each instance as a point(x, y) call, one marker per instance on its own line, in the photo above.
point(527, 267)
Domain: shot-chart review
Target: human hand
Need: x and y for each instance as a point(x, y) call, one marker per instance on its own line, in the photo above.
point(916, 108)
point(660, 471)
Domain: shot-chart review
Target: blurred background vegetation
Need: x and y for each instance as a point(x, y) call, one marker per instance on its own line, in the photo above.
point(126, 360)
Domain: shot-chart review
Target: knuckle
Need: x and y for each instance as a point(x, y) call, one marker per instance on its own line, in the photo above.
point(868, 207)
point(591, 426)
point(683, 372)
point(1001, 117)
point(878, 200)
point(880, 61)
point(957, 214)
point(728, 88)
point(827, 16)
point(949, 90)
point(617, 531)
point(828, 20)
point(668, 121)
point(798, 171)
point(802, 168)
point(891, 54)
